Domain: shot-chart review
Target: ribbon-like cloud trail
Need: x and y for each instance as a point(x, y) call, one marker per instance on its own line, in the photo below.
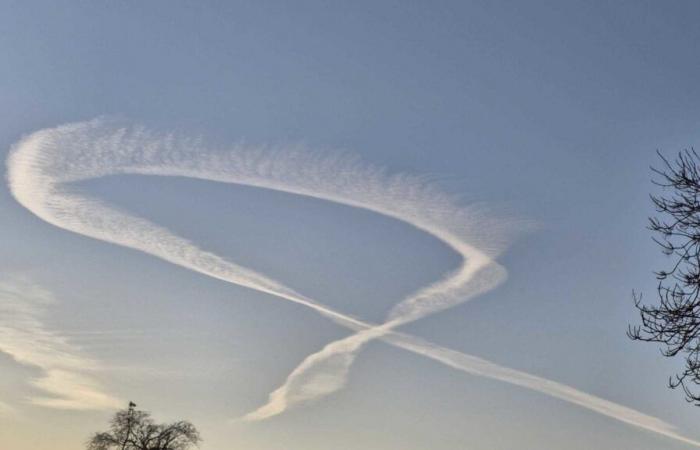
point(42, 166)
point(28, 341)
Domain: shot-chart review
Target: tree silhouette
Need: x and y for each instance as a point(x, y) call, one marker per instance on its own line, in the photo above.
point(132, 429)
point(674, 321)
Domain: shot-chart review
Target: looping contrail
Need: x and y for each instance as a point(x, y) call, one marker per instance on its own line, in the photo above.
point(42, 166)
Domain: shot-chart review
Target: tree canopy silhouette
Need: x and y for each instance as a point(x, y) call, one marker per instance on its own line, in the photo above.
point(674, 321)
point(132, 429)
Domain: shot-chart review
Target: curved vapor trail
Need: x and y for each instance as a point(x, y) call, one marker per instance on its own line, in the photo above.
point(42, 166)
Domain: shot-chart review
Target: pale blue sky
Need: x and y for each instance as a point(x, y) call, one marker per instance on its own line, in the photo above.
point(544, 111)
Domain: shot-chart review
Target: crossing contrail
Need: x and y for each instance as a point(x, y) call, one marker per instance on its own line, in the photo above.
point(43, 166)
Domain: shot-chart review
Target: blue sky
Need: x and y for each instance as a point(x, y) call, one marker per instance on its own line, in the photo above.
point(545, 113)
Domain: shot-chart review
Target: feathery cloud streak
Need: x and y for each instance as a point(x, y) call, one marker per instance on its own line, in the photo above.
point(42, 166)
point(28, 341)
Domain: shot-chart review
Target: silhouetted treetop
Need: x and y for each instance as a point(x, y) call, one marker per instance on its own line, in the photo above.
point(132, 429)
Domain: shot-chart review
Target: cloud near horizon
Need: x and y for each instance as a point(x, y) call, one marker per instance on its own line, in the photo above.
point(65, 381)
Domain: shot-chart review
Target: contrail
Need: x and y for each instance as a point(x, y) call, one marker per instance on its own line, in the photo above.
point(326, 371)
point(42, 166)
point(481, 367)
point(329, 369)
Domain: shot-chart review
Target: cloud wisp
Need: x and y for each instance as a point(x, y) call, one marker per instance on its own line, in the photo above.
point(43, 165)
point(65, 378)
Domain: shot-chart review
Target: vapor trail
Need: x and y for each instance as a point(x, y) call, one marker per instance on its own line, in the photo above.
point(42, 166)
point(326, 371)
point(481, 367)
point(335, 363)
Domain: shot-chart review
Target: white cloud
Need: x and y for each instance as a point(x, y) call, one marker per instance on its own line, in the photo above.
point(65, 381)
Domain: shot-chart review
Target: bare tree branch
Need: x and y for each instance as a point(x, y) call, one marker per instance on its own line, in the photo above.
point(675, 321)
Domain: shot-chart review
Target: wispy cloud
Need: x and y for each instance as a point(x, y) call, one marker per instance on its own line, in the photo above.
point(6, 410)
point(65, 376)
point(42, 166)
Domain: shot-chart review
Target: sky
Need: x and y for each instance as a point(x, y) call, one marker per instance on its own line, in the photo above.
point(361, 225)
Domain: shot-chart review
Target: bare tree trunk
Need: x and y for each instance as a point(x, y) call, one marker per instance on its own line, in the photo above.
point(132, 405)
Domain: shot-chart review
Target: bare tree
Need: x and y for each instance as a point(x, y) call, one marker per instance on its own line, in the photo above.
point(132, 429)
point(674, 321)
